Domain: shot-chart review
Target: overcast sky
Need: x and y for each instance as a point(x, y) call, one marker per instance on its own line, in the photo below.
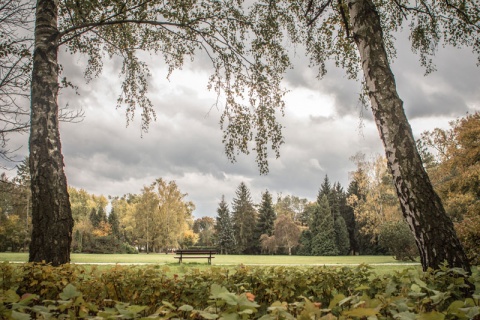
point(323, 129)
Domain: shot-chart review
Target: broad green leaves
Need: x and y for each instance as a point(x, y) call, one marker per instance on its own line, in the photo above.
point(248, 293)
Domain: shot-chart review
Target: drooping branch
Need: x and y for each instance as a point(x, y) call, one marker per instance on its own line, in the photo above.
point(319, 12)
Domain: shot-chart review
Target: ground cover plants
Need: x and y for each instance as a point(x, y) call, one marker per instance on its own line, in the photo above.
point(241, 292)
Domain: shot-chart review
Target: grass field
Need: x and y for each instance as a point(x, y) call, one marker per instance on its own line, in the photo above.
point(155, 258)
point(380, 264)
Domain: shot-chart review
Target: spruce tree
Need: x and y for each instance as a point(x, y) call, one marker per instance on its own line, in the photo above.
point(266, 215)
point(322, 228)
point(244, 219)
point(340, 210)
point(224, 229)
point(305, 248)
point(266, 219)
point(325, 190)
point(342, 240)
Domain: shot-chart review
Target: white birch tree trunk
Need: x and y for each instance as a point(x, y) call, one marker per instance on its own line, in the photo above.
point(51, 213)
point(422, 208)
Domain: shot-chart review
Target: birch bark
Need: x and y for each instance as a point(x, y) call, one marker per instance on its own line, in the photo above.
point(51, 213)
point(433, 230)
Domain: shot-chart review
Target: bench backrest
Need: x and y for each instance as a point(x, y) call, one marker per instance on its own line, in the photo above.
point(195, 251)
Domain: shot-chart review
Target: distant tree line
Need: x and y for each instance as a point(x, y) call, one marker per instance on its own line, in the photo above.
point(364, 219)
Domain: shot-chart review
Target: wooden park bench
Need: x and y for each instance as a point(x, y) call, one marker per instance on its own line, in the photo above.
point(195, 254)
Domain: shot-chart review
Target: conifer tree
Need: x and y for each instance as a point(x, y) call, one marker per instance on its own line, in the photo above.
point(224, 229)
point(266, 219)
point(322, 228)
point(325, 190)
point(266, 215)
point(342, 240)
point(244, 219)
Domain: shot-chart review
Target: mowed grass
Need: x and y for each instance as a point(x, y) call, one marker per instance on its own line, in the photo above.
point(380, 264)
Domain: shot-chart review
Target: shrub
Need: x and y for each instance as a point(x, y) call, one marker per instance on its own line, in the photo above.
point(44, 292)
point(397, 237)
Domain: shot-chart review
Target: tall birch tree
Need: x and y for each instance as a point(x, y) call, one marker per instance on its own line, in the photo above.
point(358, 36)
point(246, 73)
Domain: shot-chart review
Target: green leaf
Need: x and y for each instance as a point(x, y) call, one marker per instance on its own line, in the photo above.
point(361, 312)
point(20, 316)
point(406, 315)
point(10, 296)
point(434, 315)
point(229, 298)
point(336, 300)
point(216, 290)
point(207, 315)
point(185, 308)
point(364, 287)
point(455, 306)
point(136, 309)
point(345, 300)
point(230, 316)
point(420, 283)
point(27, 298)
point(69, 292)
point(169, 305)
point(471, 312)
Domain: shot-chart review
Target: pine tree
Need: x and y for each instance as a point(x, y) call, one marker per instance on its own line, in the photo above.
point(349, 217)
point(266, 215)
point(342, 240)
point(322, 228)
point(224, 229)
point(244, 219)
point(340, 210)
point(305, 243)
point(266, 220)
point(325, 190)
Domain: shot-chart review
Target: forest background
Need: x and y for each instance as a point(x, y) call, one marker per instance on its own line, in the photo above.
point(363, 219)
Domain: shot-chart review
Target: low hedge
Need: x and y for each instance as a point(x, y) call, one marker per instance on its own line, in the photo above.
point(131, 292)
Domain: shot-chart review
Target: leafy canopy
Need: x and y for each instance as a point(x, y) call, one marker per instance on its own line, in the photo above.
point(247, 61)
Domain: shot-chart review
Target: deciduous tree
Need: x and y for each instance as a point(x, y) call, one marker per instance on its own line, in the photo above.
point(205, 228)
point(173, 30)
point(286, 233)
point(16, 25)
point(456, 176)
point(162, 216)
point(358, 35)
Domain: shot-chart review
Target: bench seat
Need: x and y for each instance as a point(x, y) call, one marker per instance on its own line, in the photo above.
point(195, 254)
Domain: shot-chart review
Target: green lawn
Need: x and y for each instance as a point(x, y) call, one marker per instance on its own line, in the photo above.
point(155, 258)
point(380, 264)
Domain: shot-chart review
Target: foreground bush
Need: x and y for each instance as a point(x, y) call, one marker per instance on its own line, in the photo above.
point(71, 292)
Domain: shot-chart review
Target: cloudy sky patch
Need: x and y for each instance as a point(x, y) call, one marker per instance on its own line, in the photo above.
point(324, 126)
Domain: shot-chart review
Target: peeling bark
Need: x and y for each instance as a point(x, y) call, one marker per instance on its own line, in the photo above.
point(422, 208)
point(51, 213)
